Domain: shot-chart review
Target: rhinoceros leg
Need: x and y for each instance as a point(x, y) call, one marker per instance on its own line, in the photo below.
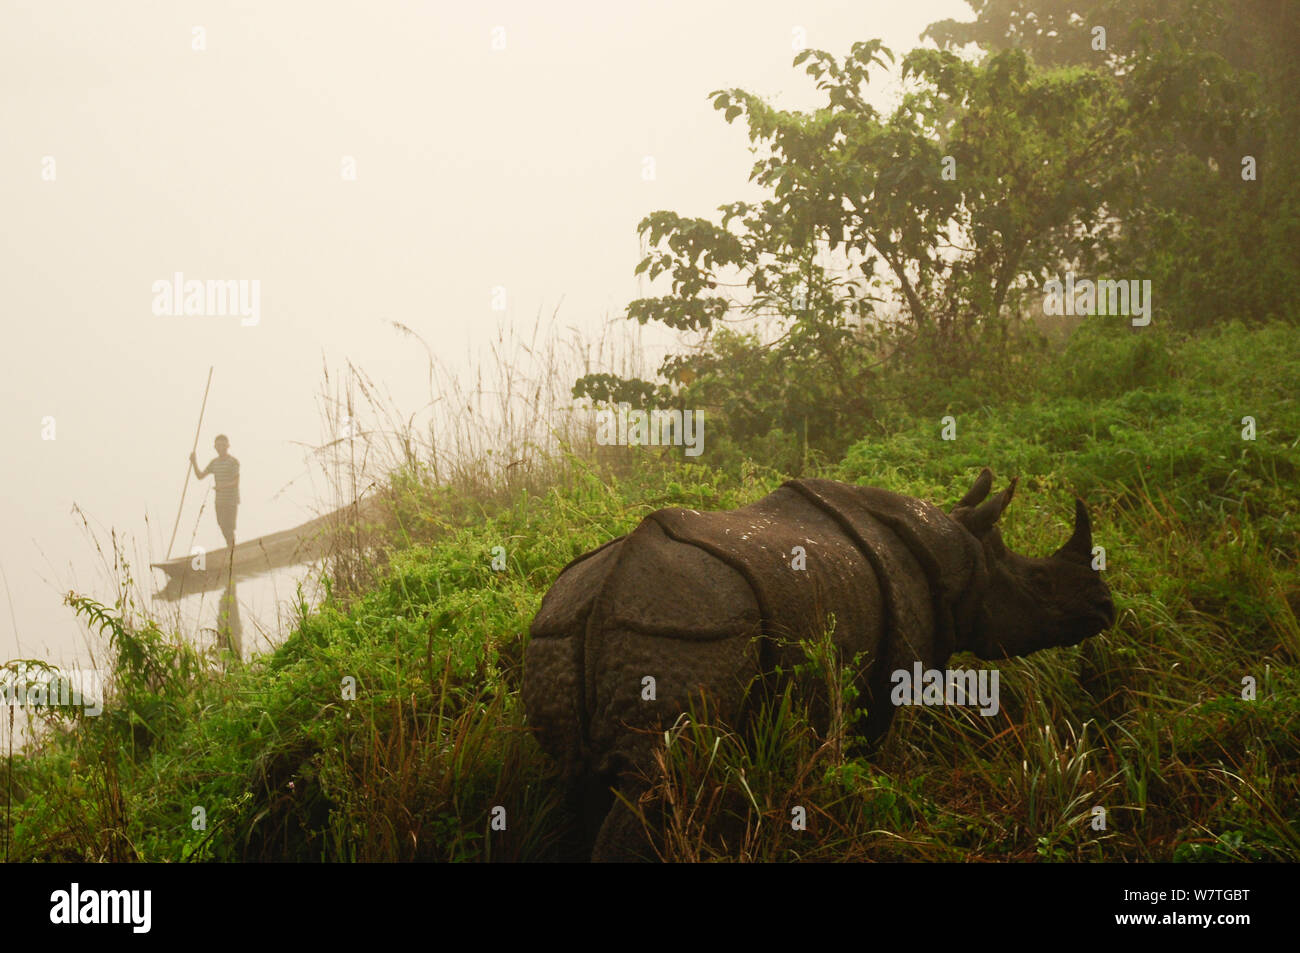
point(622, 835)
point(553, 692)
point(670, 624)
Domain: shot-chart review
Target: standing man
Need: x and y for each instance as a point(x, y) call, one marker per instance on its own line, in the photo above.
point(225, 472)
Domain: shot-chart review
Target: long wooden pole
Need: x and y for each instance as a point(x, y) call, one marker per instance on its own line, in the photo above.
point(186, 485)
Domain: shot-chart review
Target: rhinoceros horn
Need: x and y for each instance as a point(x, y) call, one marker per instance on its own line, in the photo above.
point(1079, 547)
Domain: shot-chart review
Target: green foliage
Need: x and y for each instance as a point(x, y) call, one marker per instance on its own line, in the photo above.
point(1146, 720)
point(888, 245)
point(901, 253)
point(1209, 82)
point(879, 295)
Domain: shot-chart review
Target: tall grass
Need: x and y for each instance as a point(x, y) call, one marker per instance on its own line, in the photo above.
point(1143, 743)
point(506, 428)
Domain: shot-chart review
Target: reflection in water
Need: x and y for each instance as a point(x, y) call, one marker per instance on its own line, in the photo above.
point(229, 623)
point(219, 571)
point(230, 629)
point(247, 615)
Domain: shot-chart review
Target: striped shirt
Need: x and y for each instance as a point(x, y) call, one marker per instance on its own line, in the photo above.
point(225, 472)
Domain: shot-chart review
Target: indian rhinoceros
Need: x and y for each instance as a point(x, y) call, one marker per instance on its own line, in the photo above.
point(706, 603)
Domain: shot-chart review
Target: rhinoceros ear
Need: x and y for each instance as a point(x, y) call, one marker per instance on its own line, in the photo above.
point(980, 489)
point(1079, 548)
point(981, 520)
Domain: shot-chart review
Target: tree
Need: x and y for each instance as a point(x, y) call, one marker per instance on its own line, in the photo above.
point(918, 230)
point(1211, 83)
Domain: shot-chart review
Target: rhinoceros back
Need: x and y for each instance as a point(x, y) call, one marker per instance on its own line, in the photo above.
point(705, 602)
point(926, 559)
point(800, 566)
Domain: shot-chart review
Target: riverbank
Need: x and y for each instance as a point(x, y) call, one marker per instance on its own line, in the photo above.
point(389, 727)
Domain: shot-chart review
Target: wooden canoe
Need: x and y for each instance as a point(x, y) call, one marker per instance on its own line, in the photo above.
point(290, 547)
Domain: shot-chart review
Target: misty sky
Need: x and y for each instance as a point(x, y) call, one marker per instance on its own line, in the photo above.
point(475, 168)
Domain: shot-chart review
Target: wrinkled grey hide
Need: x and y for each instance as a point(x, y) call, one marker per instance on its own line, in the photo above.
point(710, 602)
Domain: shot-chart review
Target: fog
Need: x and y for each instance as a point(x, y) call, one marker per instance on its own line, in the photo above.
point(127, 156)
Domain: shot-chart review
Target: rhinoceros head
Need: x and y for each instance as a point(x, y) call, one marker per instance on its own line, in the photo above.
point(1029, 604)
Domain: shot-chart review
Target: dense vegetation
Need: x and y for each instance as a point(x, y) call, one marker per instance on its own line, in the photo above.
point(1147, 720)
point(866, 299)
point(1142, 139)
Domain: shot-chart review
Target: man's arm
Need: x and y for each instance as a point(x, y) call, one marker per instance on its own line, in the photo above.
point(195, 465)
